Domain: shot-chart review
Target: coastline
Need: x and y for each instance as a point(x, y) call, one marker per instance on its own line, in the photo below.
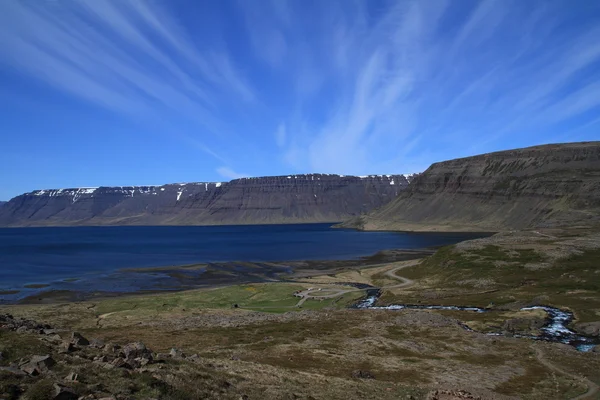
point(199, 276)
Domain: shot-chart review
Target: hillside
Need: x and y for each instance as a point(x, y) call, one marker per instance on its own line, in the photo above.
point(277, 199)
point(554, 185)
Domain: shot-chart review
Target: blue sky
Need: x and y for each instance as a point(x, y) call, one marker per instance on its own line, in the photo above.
point(96, 92)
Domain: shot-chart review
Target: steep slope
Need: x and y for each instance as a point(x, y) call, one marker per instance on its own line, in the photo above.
point(277, 199)
point(543, 186)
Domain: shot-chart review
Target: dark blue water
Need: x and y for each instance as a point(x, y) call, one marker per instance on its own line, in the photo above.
point(41, 255)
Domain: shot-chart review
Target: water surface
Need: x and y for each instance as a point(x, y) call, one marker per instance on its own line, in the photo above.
point(74, 257)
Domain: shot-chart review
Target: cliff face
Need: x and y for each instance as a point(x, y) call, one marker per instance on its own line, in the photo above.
point(542, 186)
point(277, 199)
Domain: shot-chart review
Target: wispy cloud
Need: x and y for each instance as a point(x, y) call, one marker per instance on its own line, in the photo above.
point(228, 173)
point(280, 135)
point(129, 56)
point(351, 87)
point(440, 78)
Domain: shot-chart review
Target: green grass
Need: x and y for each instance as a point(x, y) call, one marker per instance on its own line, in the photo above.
point(273, 297)
point(573, 283)
point(263, 296)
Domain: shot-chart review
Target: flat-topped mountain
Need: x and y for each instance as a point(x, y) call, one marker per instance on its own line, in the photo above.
point(275, 199)
point(543, 186)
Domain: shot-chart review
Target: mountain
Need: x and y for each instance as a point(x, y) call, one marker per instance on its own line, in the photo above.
point(2, 202)
point(543, 186)
point(276, 199)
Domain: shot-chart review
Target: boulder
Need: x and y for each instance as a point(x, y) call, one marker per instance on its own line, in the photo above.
point(102, 359)
point(38, 365)
point(136, 354)
point(97, 343)
point(72, 377)
point(111, 348)
point(78, 340)
point(62, 392)
point(137, 349)
point(120, 362)
point(362, 374)
point(589, 328)
point(53, 338)
point(66, 347)
point(176, 353)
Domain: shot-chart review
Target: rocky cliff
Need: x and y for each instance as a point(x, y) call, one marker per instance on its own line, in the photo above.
point(543, 186)
point(277, 199)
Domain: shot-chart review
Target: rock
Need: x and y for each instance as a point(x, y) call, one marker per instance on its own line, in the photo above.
point(38, 365)
point(53, 338)
point(137, 354)
point(522, 324)
point(162, 356)
point(21, 329)
point(596, 349)
point(1, 356)
point(140, 362)
point(135, 350)
point(112, 348)
point(66, 347)
point(120, 362)
point(176, 353)
point(452, 395)
point(72, 377)
point(97, 343)
point(13, 370)
point(78, 340)
point(589, 328)
point(48, 331)
point(64, 393)
point(362, 374)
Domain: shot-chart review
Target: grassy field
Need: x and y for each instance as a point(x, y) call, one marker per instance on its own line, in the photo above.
point(503, 277)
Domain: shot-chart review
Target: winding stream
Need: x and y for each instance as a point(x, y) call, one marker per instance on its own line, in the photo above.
point(554, 330)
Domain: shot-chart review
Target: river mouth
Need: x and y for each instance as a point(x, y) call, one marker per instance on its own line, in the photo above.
point(554, 329)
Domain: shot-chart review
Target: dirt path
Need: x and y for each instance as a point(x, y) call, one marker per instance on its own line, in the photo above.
point(405, 281)
point(336, 292)
point(592, 387)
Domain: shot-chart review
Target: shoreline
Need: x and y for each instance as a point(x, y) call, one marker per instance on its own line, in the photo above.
point(188, 277)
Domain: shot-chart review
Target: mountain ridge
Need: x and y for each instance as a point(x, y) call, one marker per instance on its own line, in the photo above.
point(552, 185)
point(275, 199)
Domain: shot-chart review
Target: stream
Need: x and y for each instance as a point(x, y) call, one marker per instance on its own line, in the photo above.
point(554, 330)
